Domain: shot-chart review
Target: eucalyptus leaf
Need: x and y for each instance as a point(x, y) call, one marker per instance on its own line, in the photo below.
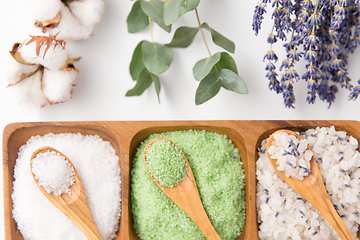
point(157, 57)
point(219, 39)
point(137, 20)
point(154, 9)
point(227, 62)
point(137, 63)
point(143, 82)
point(156, 81)
point(173, 9)
point(203, 67)
point(183, 37)
point(207, 88)
point(233, 82)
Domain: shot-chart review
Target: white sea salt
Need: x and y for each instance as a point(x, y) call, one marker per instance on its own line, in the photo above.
point(97, 166)
point(284, 214)
point(53, 172)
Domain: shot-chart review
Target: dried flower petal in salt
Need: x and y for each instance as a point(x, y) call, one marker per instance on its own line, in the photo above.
point(44, 72)
point(74, 19)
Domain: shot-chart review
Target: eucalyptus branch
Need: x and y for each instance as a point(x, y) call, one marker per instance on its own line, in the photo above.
point(150, 59)
point(202, 32)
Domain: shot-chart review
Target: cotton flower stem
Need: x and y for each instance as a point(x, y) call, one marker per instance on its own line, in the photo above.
point(202, 32)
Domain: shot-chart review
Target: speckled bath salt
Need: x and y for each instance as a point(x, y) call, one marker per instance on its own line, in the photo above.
point(53, 172)
point(291, 154)
point(166, 163)
point(218, 171)
point(97, 166)
point(284, 214)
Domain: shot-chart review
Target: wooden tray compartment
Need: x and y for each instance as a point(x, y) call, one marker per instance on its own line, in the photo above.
point(126, 136)
point(351, 127)
point(18, 138)
point(142, 135)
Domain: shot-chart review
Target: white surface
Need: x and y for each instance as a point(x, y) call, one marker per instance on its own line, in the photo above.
point(104, 77)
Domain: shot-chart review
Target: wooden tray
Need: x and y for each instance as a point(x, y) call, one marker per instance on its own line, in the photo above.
point(126, 136)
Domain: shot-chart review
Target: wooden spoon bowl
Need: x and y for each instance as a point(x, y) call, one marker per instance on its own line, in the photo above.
point(186, 196)
point(313, 190)
point(73, 205)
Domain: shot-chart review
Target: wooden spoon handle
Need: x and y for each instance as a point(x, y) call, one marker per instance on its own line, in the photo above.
point(186, 196)
point(73, 205)
point(190, 202)
point(324, 205)
point(79, 213)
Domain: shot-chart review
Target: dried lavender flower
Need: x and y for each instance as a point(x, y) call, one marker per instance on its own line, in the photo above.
point(323, 33)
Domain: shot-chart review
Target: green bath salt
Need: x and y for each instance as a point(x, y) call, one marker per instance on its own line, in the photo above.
point(219, 175)
point(166, 163)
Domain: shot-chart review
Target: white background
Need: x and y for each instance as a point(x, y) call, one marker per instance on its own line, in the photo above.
point(104, 76)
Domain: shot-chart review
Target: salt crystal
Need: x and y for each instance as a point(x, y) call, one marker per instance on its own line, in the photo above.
point(53, 172)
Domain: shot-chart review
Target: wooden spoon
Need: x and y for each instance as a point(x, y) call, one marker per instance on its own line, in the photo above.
point(186, 196)
point(313, 190)
point(73, 205)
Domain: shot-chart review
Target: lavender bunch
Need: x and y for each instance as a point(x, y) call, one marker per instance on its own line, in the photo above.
point(323, 33)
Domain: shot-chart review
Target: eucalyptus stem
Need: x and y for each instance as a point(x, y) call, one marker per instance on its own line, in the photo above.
point(151, 29)
point(202, 32)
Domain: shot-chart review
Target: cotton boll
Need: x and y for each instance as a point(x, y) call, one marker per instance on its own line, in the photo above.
point(27, 52)
point(55, 58)
point(52, 57)
point(89, 12)
point(28, 92)
point(58, 85)
point(70, 28)
point(43, 10)
point(16, 71)
point(31, 77)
